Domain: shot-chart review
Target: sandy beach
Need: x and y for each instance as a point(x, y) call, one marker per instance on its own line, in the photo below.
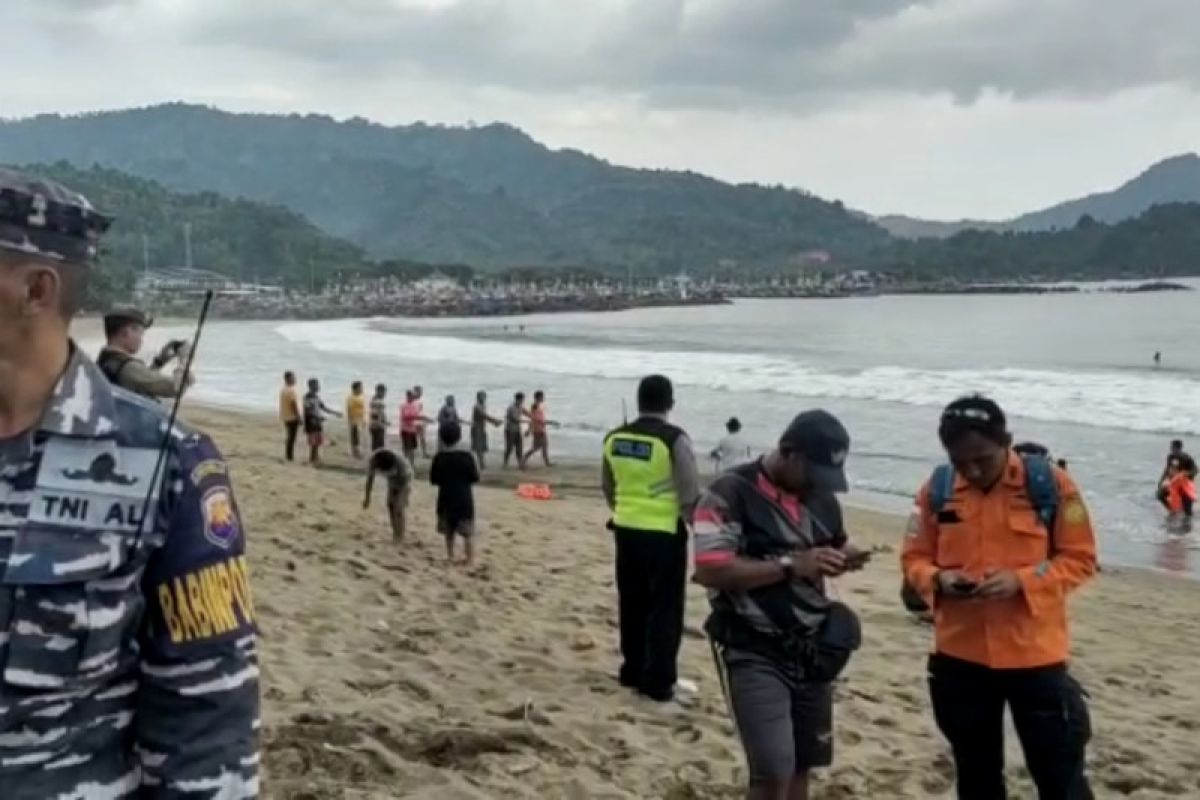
point(387, 673)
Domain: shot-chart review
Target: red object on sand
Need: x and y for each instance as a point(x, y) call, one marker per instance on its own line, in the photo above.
point(535, 491)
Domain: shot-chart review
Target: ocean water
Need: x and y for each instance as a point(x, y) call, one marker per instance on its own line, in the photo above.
point(1074, 372)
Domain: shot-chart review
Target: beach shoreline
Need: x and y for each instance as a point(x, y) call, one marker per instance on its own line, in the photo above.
point(387, 673)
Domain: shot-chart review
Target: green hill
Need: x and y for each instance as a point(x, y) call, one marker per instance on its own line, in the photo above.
point(488, 196)
point(240, 238)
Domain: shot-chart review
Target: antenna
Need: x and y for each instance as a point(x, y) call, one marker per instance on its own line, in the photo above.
point(166, 438)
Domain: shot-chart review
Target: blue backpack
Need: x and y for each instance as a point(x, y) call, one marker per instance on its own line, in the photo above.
point(1040, 484)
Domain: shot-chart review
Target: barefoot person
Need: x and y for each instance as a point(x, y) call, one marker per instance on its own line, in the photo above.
point(768, 534)
point(650, 483)
point(480, 419)
point(356, 418)
point(454, 472)
point(539, 430)
point(290, 414)
point(399, 475)
point(412, 422)
point(378, 421)
point(314, 420)
point(995, 544)
point(514, 415)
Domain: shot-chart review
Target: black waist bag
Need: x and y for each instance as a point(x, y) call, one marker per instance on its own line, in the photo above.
point(822, 654)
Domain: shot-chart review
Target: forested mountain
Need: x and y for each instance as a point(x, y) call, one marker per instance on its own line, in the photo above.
point(1164, 241)
point(1173, 180)
point(489, 196)
point(240, 238)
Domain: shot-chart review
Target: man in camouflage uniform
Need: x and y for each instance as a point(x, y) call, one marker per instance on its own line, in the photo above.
point(127, 639)
point(124, 330)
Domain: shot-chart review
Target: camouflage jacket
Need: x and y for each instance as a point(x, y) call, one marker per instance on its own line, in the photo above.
point(127, 650)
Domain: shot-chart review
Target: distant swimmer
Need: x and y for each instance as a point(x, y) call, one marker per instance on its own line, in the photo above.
point(399, 475)
point(1177, 459)
point(996, 543)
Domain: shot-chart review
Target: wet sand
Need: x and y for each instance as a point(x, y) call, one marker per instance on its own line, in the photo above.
point(388, 673)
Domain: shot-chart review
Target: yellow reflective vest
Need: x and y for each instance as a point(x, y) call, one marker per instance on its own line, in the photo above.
point(640, 456)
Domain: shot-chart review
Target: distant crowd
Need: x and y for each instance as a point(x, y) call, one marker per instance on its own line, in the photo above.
point(455, 465)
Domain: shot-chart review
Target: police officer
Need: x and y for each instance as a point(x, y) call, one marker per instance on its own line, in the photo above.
point(650, 482)
point(995, 544)
point(127, 641)
point(125, 330)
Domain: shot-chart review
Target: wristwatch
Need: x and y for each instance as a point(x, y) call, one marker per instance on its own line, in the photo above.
point(786, 562)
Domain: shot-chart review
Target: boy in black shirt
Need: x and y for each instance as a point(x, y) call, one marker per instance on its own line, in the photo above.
point(314, 420)
point(454, 471)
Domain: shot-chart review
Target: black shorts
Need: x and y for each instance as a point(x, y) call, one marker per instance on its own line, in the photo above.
point(512, 441)
point(785, 724)
point(409, 442)
point(378, 439)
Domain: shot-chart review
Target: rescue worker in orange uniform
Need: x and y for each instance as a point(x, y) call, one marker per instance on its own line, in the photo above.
point(997, 577)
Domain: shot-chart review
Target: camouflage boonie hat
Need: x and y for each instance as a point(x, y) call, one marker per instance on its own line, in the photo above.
point(46, 219)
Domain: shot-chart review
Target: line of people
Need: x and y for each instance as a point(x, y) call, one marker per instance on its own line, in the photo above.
point(996, 542)
point(369, 420)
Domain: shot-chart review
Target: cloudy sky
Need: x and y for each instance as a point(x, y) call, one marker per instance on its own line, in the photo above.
point(938, 108)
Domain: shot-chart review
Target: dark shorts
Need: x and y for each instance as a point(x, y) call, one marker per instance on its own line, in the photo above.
point(462, 527)
point(315, 438)
point(785, 724)
point(512, 440)
point(378, 439)
point(409, 442)
point(479, 440)
point(540, 440)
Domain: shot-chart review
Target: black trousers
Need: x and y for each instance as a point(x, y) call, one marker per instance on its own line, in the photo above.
point(1049, 713)
point(651, 585)
point(289, 446)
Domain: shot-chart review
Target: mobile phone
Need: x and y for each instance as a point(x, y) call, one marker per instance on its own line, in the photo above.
point(859, 559)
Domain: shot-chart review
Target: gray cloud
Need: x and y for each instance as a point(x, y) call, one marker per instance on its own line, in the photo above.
point(720, 52)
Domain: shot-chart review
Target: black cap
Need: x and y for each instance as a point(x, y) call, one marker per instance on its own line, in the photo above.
point(824, 443)
point(46, 219)
point(122, 315)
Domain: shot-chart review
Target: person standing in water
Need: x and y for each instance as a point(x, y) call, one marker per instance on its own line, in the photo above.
point(480, 419)
point(732, 451)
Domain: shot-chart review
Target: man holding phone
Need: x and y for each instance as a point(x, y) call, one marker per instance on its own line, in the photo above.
point(996, 571)
point(767, 535)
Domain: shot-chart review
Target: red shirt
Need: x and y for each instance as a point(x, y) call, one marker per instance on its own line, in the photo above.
point(410, 416)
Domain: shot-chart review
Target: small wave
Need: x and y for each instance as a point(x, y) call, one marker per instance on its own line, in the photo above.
point(1157, 403)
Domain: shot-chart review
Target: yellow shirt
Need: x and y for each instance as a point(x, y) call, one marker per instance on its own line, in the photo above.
point(356, 409)
point(288, 405)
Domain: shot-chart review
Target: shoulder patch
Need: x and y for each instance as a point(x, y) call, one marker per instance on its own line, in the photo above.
point(221, 525)
point(1075, 512)
point(209, 468)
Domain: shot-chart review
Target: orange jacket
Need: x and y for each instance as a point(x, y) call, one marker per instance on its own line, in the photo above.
point(1000, 530)
point(1179, 487)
